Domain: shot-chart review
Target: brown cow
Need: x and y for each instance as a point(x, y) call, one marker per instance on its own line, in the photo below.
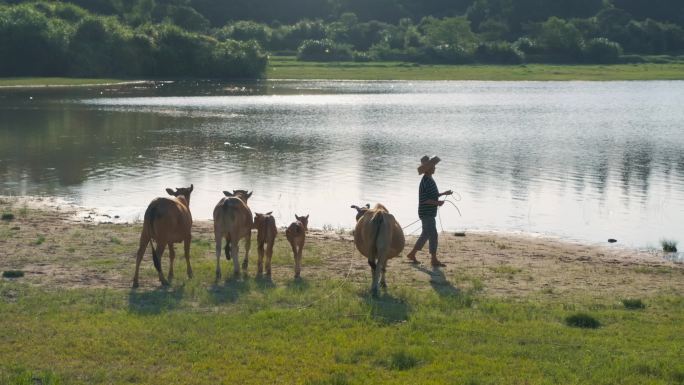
point(233, 221)
point(379, 237)
point(167, 221)
point(296, 234)
point(266, 233)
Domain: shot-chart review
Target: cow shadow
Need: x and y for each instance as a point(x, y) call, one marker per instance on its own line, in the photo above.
point(264, 282)
point(439, 282)
point(156, 301)
point(230, 290)
point(387, 309)
point(298, 284)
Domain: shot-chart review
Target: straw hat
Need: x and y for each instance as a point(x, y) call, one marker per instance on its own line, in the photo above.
point(426, 162)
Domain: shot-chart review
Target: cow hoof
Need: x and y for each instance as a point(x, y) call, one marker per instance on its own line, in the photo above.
point(136, 285)
point(189, 274)
point(383, 285)
point(244, 265)
point(165, 283)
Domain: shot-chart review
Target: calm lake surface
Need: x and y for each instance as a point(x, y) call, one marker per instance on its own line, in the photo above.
point(582, 160)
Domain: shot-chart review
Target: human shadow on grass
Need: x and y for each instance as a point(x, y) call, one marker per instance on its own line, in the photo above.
point(439, 282)
point(161, 299)
point(387, 309)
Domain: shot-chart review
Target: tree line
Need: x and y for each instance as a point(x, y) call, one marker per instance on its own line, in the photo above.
point(218, 38)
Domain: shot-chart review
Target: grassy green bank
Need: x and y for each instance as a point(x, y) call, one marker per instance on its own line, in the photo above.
point(289, 68)
point(252, 331)
point(497, 314)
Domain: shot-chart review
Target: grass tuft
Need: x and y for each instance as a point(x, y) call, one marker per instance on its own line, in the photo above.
point(669, 246)
point(402, 361)
point(335, 379)
point(633, 304)
point(39, 241)
point(7, 216)
point(582, 320)
point(13, 274)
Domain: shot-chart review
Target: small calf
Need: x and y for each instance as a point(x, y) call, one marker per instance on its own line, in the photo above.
point(266, 233)
point(296, 234)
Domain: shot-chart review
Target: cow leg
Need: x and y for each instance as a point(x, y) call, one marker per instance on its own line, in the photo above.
point(160, 253)
point(376, 267)
point(298, 262)
point(172, 257)
point(144, 240)
point(227, 249)
point(234, 250)
point(218, 239)
point(294, 255)
point(260, 261)
point(248, 244)
point(383, 284)
point(186, 253)
point(269, 255)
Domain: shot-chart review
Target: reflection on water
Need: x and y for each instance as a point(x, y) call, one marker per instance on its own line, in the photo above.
point(585, 160)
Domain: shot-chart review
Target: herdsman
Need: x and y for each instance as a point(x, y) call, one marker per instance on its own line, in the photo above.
point(428, 202)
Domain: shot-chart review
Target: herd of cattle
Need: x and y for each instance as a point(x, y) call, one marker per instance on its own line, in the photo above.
point(377, 235)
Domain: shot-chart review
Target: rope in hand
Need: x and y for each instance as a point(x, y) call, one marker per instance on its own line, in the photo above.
point(447, 200)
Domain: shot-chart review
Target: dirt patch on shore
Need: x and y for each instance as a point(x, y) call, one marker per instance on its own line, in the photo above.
point(54, 248)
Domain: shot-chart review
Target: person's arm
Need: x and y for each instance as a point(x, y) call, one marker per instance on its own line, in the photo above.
point(447, 192)
point(433, 202)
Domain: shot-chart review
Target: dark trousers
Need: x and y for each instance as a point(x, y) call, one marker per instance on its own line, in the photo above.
point(429, 233)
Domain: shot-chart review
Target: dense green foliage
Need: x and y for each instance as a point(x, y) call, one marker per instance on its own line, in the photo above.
point(200, 38)
point(48, 39)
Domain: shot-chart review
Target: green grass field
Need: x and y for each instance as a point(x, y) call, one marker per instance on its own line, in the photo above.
point(249, 330)
point(290, 68)
point(287, 67)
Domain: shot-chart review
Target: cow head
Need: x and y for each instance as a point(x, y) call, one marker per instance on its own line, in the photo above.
point(243, 195)
point(181, 192)
point(304, 220)
point(259, 219)
point(360, 210)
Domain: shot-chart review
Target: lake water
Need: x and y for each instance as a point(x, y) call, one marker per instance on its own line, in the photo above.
point(581, 160)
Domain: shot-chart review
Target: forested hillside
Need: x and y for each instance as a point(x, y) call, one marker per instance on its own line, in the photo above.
point(224, 38)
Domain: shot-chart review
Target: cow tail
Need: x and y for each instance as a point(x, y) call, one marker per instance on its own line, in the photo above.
point(150, 216)
point(377, 222)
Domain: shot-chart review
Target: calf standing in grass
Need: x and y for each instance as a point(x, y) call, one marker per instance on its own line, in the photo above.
point(379, 237)
point(296, 233)
point(167, 221)
point(266, 233)
point(233, 221)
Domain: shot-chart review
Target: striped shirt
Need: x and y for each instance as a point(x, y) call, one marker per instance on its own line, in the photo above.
point(427, 190)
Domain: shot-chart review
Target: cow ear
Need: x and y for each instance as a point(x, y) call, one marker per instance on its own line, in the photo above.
point(307, 216)
point(191, 187)
point(367, 205)
point(269, 213)
point(249, 195)
point(228, 193)
point(170, 191)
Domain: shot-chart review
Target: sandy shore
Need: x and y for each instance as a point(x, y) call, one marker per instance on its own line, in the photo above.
point(55, 247)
